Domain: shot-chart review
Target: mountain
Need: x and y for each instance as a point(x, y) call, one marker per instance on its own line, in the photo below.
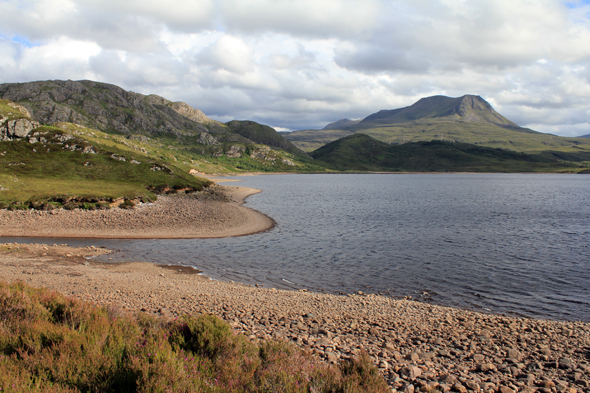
point(76, 167)
point(360, 152)
point(467, 119)
point(342, 123)
point(469, 109)
point(585, 136)
point(157, 121)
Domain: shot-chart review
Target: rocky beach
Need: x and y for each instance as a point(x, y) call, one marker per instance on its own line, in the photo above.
point(417, 346)
point(215, 212)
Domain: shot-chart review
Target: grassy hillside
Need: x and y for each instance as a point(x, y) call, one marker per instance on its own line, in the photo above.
point(55, 166)
point(49, 343)
point(310, 140)
point(468, 119)
point(360, 152)
point(76, 166)
point(174, 126)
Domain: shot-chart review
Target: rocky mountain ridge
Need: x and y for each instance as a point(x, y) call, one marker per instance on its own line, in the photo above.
point(111, 109)
point(468, 108)
point(466, 119)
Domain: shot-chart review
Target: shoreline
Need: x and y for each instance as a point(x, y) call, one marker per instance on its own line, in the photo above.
point(413, 344)
point(213, 213)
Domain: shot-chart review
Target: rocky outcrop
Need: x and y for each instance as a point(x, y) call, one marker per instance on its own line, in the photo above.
point(234, 151)
point(105, 107)
point(20, 108)
point(190, 112)
point(207, 139)
point(16, 128)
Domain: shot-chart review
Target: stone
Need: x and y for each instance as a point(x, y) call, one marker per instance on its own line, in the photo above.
point(389, 346)
point(16, 129)
point(471, 384)
point(165, 312)
point(513, 354)
point(478, 358)
point(486, 367)
point(426, 355)
point(566, 363)
point(458, 387)
point(506, 389)
point(411, 372)
point(448, 379)
point(413, 357)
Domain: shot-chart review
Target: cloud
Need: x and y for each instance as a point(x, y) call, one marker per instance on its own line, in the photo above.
point(302, 64)
point(301, 18)
point(228, 53)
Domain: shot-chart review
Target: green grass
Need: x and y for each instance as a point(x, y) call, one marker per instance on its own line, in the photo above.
point(30, 172)
point(9, 112)
point(50, 343)
point(483, 134)
point(360, 152)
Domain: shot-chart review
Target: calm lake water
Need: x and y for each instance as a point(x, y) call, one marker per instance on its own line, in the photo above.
point(502, 243)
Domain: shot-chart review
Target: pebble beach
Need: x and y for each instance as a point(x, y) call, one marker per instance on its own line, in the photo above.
point(417, 346)
point(215, 212)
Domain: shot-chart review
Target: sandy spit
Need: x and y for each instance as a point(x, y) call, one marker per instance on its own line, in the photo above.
point(215, 212)
point(417, 346)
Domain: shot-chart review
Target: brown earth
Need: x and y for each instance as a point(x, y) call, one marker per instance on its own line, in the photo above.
point(417, 346)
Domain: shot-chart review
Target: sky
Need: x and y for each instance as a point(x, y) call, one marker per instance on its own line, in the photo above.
point(301, 64)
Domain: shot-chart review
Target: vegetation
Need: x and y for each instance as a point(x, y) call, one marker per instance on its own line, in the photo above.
point(265, 135)
point(467, 119)
point(49, 343)
point(62, 170)
point(360, 152)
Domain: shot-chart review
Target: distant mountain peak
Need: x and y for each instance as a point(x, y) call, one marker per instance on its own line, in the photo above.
point(468, 108)
point(339, 124)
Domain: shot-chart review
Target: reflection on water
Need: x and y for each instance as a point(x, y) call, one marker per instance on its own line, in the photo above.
point(507, 243)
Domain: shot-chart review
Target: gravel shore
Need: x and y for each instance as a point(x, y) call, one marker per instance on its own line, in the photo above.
point(215, 212)
point(417, 346)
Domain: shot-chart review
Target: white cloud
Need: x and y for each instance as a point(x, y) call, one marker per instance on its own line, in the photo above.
point(304, 18)
point(301, 64)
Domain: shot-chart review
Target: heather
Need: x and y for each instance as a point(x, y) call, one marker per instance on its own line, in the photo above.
point(52, 343)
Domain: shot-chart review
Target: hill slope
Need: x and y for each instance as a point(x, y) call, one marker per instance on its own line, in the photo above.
point(44, 166)
point(468, 108)
point(467, 119)
point(161, 123)
point(360, 152)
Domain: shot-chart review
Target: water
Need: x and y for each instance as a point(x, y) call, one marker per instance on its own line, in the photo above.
point(503, 243)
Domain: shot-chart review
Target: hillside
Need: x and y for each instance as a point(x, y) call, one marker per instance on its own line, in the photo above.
point(467, 119)
point(361, 152)
point(342, 123)
point(72, 166)
point(161, 123)
point(469, 108)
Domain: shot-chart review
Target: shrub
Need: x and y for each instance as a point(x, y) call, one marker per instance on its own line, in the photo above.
point(51, 343)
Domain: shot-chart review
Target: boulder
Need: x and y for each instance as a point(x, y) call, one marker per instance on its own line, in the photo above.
point(16, 129)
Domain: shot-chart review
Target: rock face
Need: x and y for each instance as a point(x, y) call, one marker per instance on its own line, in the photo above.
point(112, 109)
point(102, 106)
point(16, 129)
point(190, 112)
point(467, 108)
